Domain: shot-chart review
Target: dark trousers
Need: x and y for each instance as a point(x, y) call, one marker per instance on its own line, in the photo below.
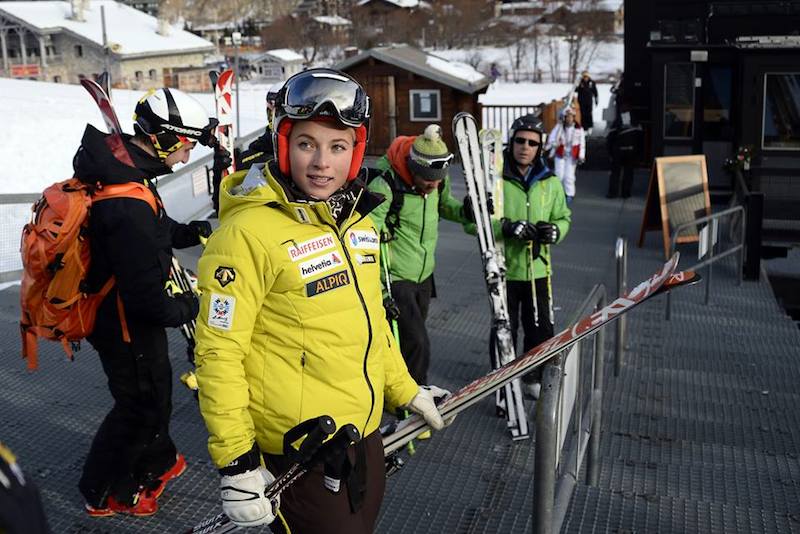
point(307, 507)
point(413, 301)
point(132, 445)
point(615, 188)
point(519, 295)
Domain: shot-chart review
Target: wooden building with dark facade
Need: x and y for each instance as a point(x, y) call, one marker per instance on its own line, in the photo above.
point(717, 78)
point(410, 89)
point(710, 77)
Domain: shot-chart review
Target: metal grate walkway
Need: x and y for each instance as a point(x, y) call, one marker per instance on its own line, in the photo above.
point(700, 431)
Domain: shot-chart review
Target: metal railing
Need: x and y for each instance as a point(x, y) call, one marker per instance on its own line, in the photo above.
point(568, 423)
point(621, 256)
point(712, 231)
point(184, 199)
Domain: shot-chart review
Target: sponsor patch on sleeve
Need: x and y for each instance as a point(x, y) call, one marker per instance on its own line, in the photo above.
point(298, 251)
point(366, 239)
point(225, 275)
point(365, 258)
point(220, 311)
point(332, 281)
point(320, 264)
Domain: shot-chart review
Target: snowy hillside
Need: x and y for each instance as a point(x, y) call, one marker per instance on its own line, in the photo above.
point(45, 122)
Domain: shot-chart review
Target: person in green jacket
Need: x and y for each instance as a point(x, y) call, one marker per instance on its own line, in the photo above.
point(291, 323)
point(414, 180)
point(535, 217)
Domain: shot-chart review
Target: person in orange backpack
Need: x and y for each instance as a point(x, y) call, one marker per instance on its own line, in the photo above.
point(132, 456)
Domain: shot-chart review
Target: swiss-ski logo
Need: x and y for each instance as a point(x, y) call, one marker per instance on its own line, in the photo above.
point(363, 239)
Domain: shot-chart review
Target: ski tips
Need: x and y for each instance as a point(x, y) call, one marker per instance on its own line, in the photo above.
point(680, 279)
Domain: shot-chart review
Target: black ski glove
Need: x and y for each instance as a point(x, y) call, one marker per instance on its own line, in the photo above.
point(392, 311)
point(203, 228)
point(547, 233)
point(522, 230)
point(188, 303)
point(469, 213)
point(466, 209)
point(222, 160)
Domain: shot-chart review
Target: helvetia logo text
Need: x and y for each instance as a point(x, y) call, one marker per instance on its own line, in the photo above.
point(320, 264)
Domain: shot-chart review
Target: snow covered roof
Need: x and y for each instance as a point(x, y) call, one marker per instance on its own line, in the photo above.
point(333, 21)
point(451, 73)
point(399, 3)
point(285, 55)
point(130, 31)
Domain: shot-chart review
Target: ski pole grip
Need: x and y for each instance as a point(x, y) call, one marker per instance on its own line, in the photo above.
point(315, 430)
point(334, 454)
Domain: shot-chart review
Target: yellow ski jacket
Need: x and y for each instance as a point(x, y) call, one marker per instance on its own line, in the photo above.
point(291, 322)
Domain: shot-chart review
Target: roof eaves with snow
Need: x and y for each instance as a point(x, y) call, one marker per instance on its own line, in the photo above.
point(285, 54)
point(419, 62)
point(332, 20)
point(131, 33)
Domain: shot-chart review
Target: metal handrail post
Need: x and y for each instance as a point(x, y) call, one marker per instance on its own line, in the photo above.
point(710, 275)
point(545, 454)
point(713, 218)
point(593, 459)
point(621, 253)
point(742, 233)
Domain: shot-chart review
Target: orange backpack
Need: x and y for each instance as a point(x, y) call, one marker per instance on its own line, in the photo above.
point(55, 259)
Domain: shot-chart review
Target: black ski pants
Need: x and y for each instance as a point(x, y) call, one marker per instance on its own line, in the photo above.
point(519, 295)
point(615, 188)
point(413, 300)
point(132, 445)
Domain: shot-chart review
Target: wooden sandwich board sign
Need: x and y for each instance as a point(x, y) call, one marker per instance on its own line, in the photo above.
point(677, 194)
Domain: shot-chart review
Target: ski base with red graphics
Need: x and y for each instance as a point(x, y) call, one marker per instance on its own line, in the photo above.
point(665, 280)
point(223, 96)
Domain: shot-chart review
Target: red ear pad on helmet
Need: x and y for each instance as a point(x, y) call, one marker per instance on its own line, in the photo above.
point(359, 148)
point(284, 130)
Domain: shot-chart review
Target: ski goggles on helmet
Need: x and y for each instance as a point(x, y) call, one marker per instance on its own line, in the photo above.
point(434, 163)
point(326, 93)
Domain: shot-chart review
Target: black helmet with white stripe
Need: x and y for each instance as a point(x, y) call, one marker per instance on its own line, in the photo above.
point(171, 118)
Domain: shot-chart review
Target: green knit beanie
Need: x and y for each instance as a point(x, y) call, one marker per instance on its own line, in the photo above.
point(429, 156)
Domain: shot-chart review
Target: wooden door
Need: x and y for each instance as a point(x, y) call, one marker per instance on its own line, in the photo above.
point(380, 90)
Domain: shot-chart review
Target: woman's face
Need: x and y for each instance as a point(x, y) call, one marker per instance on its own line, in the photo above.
point(569, 119)
point(319, 156)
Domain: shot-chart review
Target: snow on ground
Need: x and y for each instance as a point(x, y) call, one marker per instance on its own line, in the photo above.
point(607, 59)
point(45, 122)
point(532, 94)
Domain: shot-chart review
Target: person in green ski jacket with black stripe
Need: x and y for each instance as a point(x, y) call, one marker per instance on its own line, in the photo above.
point(535, 217)
point(413, 176)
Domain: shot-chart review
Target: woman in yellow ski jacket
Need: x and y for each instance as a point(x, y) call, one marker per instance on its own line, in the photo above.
point(291, 322)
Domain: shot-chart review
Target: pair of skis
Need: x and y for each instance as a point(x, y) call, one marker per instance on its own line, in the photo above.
point(479, 157)
point(223, 97)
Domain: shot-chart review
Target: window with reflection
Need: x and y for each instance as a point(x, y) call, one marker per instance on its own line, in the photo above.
point(781, 120)
point(678, 100)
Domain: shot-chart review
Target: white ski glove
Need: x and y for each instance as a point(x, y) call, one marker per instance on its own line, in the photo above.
point(424, 404)
point(243, 498)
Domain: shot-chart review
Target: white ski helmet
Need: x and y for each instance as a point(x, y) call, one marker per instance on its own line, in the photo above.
point(171, 118)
